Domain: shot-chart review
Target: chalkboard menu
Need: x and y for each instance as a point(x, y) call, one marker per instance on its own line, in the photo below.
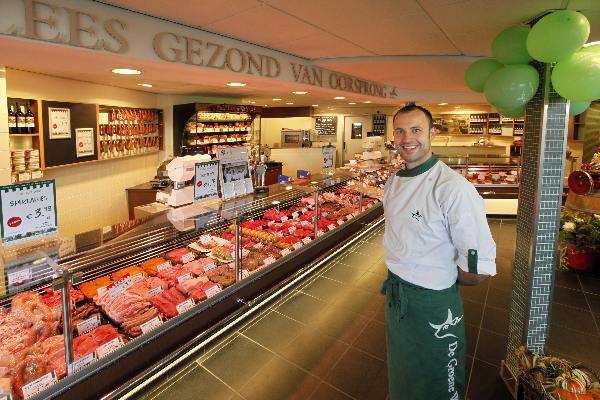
point(326, 124)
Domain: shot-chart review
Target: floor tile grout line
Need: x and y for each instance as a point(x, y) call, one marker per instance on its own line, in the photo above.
point(225, 383)
point(587, 301)
point(154, 393)
point(478, 335)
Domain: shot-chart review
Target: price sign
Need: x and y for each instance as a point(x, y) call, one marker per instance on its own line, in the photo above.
point(186, 305)
point(35, 387)
point(82, 362)
point(19, 277)
point(206, 180)
point(184, 278)
point(259, 245)
point(137, 277)
point(295, 215)
point(306, 240)
point(245, 273)
point(331, 227)
point(340, 221)
point(5, 397)
point(211, 291)
point(155, 292)
point(28, 211)
point(210, 267)
point(118, 287)
point(109, 347)
point(328, 156)
point(163, 266)
point(152, 324)
point(297, 245)
point(84, 142)
point(292, 229)
point(186, 258)
point(284, 218)
point(285, 252)
point(235, 173)
point(269, 260)
point(88, 325)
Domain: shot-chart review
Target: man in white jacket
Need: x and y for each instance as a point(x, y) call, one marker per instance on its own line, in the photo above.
point(436, 237)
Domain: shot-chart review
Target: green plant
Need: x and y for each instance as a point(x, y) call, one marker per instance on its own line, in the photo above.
point(582, 230)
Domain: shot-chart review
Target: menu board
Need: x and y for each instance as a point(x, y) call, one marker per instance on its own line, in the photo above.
point(205, 180)
point(84, 142)
point(235, 172)
point(326, 124)
point(60, 123)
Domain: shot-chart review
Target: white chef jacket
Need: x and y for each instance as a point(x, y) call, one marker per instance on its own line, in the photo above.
point(435, 221)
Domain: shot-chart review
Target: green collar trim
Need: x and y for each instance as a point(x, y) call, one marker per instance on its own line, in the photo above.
point(419, 169)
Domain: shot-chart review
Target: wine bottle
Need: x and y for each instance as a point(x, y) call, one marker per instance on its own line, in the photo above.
point(12, 120)
point(30, 120)
point(21, 124)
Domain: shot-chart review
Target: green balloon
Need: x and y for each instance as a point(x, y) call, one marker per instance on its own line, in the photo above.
point(509, 46)
point(512, 86)
point(514, 113)
point(478, 72)
point(577, 107)
point(558, 35)
point(578, 77)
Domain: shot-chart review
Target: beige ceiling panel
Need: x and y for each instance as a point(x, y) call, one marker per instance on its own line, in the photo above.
point(385, 27)
point(321, 45)
point(197, 13)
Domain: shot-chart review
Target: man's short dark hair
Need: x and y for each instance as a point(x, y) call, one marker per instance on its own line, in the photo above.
point(413, 107)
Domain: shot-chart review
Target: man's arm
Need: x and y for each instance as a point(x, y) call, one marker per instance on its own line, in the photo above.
point(470, 279)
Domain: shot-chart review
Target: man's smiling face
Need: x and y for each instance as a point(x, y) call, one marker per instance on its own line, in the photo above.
point(412, 137)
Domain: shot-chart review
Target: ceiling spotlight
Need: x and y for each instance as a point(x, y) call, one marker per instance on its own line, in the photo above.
point(352, 102)
point(144, 84)
point(442, 104)
point(276, 99)
point(299, 92)
point(289, 103)
point(126, 71)
point(367, 101)
point(315, 105)
point(236, 84)
point(252, 102)
point(339, 98)
point(457, 107)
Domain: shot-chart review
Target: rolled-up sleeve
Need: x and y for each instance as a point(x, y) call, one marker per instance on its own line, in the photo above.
point(469, 230)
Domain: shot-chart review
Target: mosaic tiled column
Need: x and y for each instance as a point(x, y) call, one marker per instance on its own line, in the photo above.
point(538, 216)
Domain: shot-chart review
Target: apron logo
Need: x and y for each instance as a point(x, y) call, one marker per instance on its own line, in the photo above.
point(417, 215)
point(445, 325)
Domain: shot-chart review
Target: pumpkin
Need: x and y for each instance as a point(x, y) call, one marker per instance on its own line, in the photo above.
point(566, 395)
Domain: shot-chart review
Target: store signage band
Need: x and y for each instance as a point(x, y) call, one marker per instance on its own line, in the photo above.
point(46, 21)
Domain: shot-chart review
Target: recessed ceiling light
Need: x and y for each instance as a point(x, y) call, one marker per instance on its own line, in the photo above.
point(367, 101)
point(276, 99)
point(352, 102)
point(236, 84)
point(339, 98)
point(126, 71)
point(457, 107)
point(315, 105)
point(299, 92)
point(289, 103)
point(252, 102)
point(442, 104)
point(266, 105)
point(144, 84)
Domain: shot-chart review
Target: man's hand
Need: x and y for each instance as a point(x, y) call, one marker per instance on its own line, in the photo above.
point(470, 279)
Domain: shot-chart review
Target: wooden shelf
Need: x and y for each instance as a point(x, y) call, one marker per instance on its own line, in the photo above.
point(23, 134)
point(222, 120)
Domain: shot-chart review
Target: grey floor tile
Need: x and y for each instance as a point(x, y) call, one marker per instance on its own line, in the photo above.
point(302, 307)
point(237, 361)
point(590, 283)
point(570, 297)
point(344, 273)
point(327, 392)
point(370, 281)
point(568, 279)
point(473, 312)
point(573, 318)
point(495, 319)
point(280, 380)
point(356, 260)
point(314, 351)
point(359, 301)
point(476, 292)
point(340, 323)
point(594, 302)
point(379, 268)
point(471, 333)
point(372, 340)
point(574, 344)
point(274, 331)
point(491, 347)
point(499, 298)
point(324, 289)
point(486, 383)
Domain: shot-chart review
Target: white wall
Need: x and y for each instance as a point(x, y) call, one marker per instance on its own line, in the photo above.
point(270, 128)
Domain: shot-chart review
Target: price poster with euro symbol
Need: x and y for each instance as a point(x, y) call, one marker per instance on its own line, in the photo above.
point(206, 180)
point(28, 211)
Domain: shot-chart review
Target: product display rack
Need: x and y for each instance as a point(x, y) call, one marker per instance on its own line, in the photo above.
point(23, 141)
point(495, 124)
point(337, 200)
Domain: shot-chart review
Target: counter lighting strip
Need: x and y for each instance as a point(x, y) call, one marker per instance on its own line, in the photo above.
point(243, 316)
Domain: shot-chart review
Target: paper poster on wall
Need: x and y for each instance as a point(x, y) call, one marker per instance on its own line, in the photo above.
point(328, 153)
point(28, 211)
point(356, 130)
point(206, 180)
point(60, 123)
point(84, 142)
point(235, 172)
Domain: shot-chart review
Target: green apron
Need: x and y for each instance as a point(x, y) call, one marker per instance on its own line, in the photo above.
point(425, 341)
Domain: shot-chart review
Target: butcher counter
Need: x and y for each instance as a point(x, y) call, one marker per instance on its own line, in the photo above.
point(159, 286)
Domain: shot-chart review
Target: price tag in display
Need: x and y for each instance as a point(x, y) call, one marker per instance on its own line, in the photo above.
point(88, 325)
point(109, 347)
point(186, 258)
point(297, 245)
point(118, 287)
point(305, 223)
point(245, 273)
point(35, 387)
point(306, 240)
point(284, 218)
point(245, 252)
point(28, 211)
point(137, 277)
point(101, 290)
point(17, 278)
point(278, 233)
point(324, 213)
point(269, 260)
point(292, 229)
point(349, 217)
point(210, 267)
point(156, 291)
point(152, 324)
point(184, 278)
point(5, 396)
point(186, 305)
point(163, 266)
point(258, 245)
point(285, 252)
point(82, 362)
point(320, 233)
point(295, 215)
point(355, 213)
point(340, 221)
point(211, 291)
point(304, 210)
point(331, 227)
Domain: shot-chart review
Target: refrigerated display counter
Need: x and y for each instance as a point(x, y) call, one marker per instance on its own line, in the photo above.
point(133, 293)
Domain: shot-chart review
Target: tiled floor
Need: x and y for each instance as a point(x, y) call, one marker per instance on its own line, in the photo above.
point(326, 340)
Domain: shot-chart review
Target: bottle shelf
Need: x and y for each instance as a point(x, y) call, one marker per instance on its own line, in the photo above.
point(23, 134)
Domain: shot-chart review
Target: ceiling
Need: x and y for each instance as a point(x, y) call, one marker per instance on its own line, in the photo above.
point(422, 47)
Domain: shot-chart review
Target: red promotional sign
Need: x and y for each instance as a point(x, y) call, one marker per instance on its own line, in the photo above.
point(13, 222)
point(199, 184)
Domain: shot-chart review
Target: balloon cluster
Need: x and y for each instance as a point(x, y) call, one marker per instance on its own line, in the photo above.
point(509, 82)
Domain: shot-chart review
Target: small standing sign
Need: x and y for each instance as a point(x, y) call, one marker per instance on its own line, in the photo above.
point(206, 180)
point(235, 172)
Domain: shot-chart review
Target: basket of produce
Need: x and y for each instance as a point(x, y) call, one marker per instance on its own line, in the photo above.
point(554, 378)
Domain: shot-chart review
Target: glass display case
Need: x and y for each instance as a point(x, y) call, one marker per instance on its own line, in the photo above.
point(123, 297)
